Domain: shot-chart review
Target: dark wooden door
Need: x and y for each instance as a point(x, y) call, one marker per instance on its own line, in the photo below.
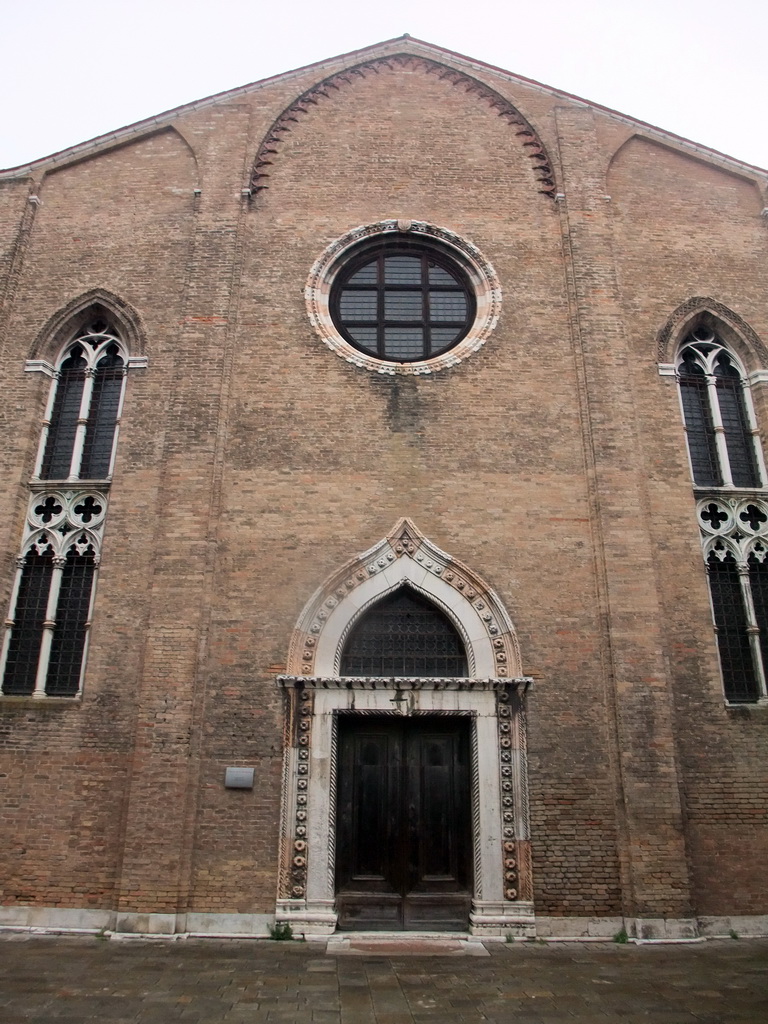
point(403, 850)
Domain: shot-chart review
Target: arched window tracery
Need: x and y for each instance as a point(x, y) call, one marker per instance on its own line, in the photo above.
point(46, 633)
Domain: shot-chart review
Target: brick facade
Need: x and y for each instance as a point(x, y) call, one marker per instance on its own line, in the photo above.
point(253, 463)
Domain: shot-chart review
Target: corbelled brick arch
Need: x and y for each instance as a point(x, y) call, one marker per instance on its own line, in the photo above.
point(491, 696)
point(292, 116)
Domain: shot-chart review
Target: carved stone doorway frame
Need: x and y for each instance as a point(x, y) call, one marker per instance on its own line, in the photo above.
point(492, 696)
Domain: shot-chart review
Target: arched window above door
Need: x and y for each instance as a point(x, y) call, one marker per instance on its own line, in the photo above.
point(404, 634)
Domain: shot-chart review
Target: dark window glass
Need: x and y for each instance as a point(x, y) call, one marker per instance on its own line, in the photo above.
point(57, 457)
point(738, 437)
point(739, 678)
point(102, 416)
point(27, 630)
point(699, 428)
point(404, 635)
point(402, 302)
point(69, 633)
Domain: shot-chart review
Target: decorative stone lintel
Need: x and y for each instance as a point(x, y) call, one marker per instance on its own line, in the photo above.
point(522, 683)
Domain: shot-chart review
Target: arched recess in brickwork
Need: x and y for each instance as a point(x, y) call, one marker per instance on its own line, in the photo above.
point(292, 116)
point(94, 303)
point(405, 557)
point(180, 135)
point(722, 165)
point(708, 313)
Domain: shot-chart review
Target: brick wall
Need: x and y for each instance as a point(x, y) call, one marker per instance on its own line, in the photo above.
point(253, 462)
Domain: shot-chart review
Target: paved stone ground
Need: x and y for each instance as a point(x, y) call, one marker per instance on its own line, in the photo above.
point(73, 980)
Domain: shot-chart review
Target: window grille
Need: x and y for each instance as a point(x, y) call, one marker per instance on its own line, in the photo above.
point(26, 633)
point(47, 630)
point(404, 635)
point(62, 432)
point(735, 540)
point(717, 409)
point(733, 642)
point(69, 633)
point(85, 409)
point(402, 301)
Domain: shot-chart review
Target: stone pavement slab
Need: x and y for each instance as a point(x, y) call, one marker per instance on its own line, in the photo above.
point(78, 979)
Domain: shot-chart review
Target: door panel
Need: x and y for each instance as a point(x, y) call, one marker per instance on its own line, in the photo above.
point(403, 816)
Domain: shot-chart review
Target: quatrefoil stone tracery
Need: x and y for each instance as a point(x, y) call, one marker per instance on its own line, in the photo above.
point(735, 525)
point(58, 513)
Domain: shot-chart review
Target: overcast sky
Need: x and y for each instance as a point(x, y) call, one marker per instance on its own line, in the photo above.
point(74, 69)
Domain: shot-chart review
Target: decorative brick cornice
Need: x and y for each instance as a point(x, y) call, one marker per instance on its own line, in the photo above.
point(292, 115)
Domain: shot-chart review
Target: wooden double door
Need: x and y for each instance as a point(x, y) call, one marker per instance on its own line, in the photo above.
point(403, 839)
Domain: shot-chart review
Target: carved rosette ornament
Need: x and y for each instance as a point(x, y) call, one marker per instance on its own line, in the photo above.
point(293, 881)
point(513, 761)
point(504, 712)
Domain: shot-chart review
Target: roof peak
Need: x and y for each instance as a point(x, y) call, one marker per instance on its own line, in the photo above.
point(412, 45)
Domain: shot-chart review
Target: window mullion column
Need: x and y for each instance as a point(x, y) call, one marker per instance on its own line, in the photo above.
point(46, 426)
point(381, 298)
point(48, 626)
point(757, 448)
point(117, 424)
point(753, 630)
point(89, 620)
point(717, 423)
point(82, 423)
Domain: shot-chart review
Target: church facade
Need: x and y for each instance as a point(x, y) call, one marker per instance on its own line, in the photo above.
point(386, 517)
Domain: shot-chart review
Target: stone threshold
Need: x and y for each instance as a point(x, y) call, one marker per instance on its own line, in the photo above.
point(395, 944)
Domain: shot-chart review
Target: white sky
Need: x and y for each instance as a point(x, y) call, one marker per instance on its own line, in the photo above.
point(74, 69)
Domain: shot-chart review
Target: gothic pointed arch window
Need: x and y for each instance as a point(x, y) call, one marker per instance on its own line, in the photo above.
point(725, 456)
point(719, 418)
point(80, 430)
point(45, 641)
point(404, 634)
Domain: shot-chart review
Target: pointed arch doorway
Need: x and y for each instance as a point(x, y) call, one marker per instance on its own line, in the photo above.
point(405, 800)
